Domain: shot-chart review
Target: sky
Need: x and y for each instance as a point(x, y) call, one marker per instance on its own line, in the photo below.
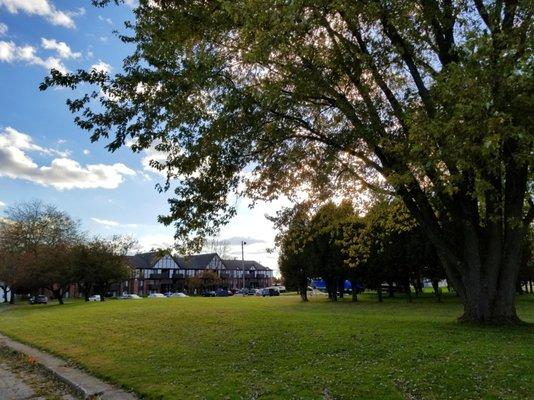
point(44, 155)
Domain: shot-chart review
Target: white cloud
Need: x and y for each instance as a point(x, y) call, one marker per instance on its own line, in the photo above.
point(102, 66)
point(7, 51)
point(103, 19)
point(3, 29)
point(10, 137)
point(86, 152)
point(43, 8)
point(61, 48)
point(106, 222)
point(10, 52)
point(131, 3)
point(110, 222)
point(2, 204)
point(62, 173)
point(155, 240)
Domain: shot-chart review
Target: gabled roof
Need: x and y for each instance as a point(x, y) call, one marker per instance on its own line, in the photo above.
point(249, 265)
point(144, 260)
point(196, 261)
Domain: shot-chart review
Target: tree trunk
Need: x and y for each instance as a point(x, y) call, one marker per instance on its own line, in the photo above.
point(334, 290)
point(480, 244)
point(408, 291)
point(418, 285)
point(379, 291)
point(354, 292)
point(437, 291)
point(304, 293)
point(12, 298)
point(58, 294)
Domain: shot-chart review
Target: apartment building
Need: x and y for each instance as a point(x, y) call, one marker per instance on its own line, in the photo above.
point(164, 272)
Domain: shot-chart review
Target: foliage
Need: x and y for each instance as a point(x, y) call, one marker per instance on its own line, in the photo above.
point(42, 247)
point(206, 280)
point(335, 244)
point(281, 348)
point(429, 100)
point(294, 261)
point(35, 241)
point(99, 263)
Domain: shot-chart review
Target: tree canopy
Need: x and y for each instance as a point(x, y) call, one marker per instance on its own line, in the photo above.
point(430, 100)
point(42, 247)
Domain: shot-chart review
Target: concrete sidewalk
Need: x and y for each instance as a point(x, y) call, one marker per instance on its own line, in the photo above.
point(22, 380)
point(87, 386)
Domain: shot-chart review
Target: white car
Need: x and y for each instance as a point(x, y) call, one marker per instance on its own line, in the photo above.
point(178, 294)
point(95, 297)
point(130, 297)
point(156, 296)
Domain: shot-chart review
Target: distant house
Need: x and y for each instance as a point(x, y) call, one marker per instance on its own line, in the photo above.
point(163, 272)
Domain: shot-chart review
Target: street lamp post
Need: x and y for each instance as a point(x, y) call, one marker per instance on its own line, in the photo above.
point(243, 243)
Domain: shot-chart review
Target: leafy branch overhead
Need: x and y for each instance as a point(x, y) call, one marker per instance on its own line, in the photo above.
point(430, 100)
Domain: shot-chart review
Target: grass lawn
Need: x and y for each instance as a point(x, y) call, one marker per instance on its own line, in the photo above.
point(280, 348)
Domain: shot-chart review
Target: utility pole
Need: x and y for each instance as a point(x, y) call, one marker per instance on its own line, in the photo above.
point(243, 243)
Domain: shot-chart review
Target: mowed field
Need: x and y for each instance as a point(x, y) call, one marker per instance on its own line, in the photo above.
point(281, 348)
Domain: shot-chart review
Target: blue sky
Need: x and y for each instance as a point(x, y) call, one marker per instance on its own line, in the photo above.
point(44, 155)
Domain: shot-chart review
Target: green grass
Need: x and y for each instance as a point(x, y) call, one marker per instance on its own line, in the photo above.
point(280, 348)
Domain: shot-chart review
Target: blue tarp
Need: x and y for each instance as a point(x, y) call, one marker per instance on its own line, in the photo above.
point(320, 284)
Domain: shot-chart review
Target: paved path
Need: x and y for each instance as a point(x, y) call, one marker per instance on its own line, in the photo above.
point(20, 380)
point(87, 386)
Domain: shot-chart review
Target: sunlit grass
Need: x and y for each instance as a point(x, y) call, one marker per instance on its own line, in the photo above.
point(280, 348)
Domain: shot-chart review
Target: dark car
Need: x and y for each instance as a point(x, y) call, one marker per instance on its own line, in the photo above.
point(221, 293)
point(209, 293)
point(39, 299)
point(269, 292)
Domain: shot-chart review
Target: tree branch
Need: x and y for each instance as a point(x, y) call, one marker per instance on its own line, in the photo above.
point(406, 54)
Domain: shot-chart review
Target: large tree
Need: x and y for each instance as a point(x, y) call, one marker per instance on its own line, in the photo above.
point(100, 263)
point(433, 96)
point(293, 241)
point(325, 242)
point(35, 245)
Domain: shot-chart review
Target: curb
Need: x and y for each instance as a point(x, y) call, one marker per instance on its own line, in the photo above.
point(86, 385)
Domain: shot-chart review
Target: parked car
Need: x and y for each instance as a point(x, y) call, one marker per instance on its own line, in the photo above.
point(130, 297)
point(39, 299)
point(222, 293)
point(156, 296)
point(95, 297)
point(246, 292)
point(178, 294)
point(209, 293)
point(269, 292)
